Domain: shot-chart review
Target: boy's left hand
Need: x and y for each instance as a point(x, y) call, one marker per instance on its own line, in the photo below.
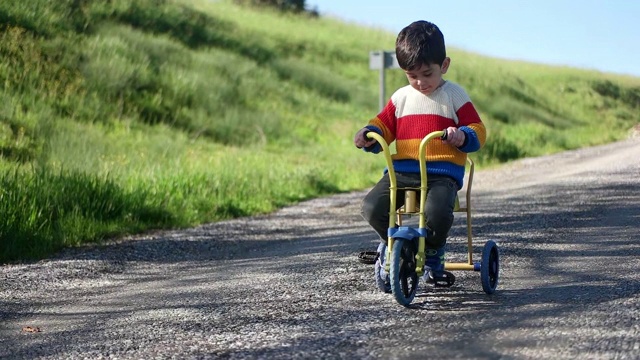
point(455, 137)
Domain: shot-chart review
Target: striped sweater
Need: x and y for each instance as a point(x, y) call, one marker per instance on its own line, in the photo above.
point(410, 115)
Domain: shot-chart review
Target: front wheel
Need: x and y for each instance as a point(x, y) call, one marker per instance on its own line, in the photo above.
point(404, 279)
point(490, 267)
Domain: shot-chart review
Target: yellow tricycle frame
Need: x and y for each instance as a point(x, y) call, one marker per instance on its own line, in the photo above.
point(396, 215)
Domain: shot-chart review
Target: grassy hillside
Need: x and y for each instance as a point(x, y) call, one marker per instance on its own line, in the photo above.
point(120, 116)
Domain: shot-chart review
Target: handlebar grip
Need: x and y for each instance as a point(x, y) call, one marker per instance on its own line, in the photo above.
point(364, 135)
point(444, 136)
point(366, 138)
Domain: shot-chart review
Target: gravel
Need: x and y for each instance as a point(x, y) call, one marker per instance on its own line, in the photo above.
point(288, 285)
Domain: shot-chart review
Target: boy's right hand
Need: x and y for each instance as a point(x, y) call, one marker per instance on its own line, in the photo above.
point(361, 141)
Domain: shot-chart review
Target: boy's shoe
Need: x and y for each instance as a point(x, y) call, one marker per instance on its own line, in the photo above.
point(434, 272)
point(434, 260)
point(383, 281)
point(445, 279)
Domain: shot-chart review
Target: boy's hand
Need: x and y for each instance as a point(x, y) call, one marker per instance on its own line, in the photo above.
point(360, 141)
point(455, 137)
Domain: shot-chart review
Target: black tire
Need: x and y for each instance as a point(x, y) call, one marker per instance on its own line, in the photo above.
point(404, 279)
point(490, 267)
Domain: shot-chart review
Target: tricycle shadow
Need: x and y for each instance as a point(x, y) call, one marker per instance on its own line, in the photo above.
point(456, 298)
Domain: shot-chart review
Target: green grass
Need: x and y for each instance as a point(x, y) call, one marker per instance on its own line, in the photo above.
point(121, 116)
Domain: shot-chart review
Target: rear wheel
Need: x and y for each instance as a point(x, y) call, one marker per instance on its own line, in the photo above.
point(490, 267)
point(404, 279)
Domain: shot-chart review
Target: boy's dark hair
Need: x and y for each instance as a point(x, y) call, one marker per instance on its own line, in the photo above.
point(420, 43)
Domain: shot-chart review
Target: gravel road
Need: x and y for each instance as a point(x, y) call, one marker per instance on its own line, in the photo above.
point(288, 285)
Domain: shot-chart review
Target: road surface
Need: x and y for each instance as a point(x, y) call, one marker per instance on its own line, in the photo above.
point(288, 286)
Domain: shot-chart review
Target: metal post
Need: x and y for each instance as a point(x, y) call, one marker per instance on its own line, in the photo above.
point(383, 96)
point(382, 60)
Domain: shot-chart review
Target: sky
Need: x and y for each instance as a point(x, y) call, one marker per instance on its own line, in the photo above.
point(599, 35)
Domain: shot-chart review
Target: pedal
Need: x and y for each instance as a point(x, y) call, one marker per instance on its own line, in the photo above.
point(368, 257)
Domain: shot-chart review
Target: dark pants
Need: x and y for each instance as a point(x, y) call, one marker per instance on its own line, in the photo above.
point(441, 195)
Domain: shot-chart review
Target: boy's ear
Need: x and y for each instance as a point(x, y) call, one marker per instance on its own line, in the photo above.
point(445, 65)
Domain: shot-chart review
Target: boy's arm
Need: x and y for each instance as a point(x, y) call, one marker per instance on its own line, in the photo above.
point(475, 136)
point(469, 123)
point(382, 125)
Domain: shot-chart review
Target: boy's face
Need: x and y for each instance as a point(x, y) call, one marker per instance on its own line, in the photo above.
point(428, 77)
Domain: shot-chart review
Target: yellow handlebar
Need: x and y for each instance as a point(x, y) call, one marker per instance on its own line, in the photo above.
point(422, 155)
point(392, 174)
point(387, 155)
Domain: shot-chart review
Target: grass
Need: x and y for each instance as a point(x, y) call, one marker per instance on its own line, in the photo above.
point(121, 116)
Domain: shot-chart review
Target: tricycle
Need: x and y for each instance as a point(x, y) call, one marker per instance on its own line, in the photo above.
point(403, 256)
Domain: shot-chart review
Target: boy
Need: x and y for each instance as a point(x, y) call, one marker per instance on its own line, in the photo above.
point(427, 104)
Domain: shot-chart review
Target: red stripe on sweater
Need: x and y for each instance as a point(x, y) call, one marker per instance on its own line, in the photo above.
point(467, 114)
point(419, 126)
point(388, 117)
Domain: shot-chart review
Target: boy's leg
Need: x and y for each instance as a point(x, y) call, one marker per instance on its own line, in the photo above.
point(442, 192)
point(375, 210)
point(441, 196)
point(375, 206)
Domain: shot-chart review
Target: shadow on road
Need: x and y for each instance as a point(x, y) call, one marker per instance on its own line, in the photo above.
point(564, 250)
